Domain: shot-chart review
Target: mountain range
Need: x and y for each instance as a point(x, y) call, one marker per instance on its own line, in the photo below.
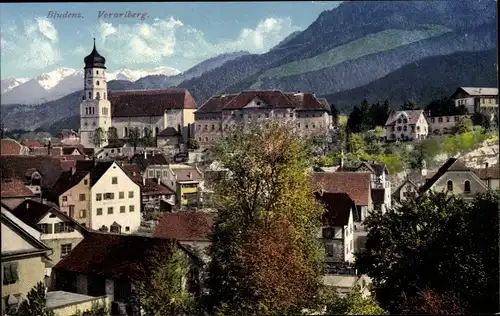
point(380, 50)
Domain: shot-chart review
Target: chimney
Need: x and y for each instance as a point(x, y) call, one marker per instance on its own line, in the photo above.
point(145, 155)
point(143, 181)
point(159, 181)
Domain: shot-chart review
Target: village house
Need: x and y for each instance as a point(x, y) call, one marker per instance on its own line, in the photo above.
point(12, 147)
point(191, 229)
point(405, 191)
point(69, 137)
point(477, 99)
point(187, 182)
point(108, 264)
point(169, 139)
point(455, 178)
point(355, 184)
point(406, 125)
point(114, 150)
point(13, 192)
point(154, 165)
point(58, 231)
point(380, 184)
point(23, 260)
point(38, 173)
point(338, 226)
point(155, 197)
point(215, 116)
point(440, 125)
point(490, 176)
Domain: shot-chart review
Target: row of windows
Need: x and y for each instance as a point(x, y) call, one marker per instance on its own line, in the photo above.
point(405, 128)
point(226, 126)
point(111, 195)
point(56, 228)
point(97, 96)
point(440, 119)
point(449, 186)
point(131, 208)
point(143, 131)
point(89, 81)
point(258, 116)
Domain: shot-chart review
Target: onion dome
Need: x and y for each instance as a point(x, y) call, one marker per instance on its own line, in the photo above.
point(94, 60)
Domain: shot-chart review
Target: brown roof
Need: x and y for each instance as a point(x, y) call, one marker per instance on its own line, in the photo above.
point(355, 184)
point(68, 150)
point(185, 226)
point(31, 143)
point(169, 132)
point(14, 189)
point(113, 256)
point(273, 98)
point(132, 170)
point(378, 195)
point(150, 102)
point(9, 147)
point(157, 159)
point(66, 181)
point(377, 168)
point(16, 167)
point(338, 208)
point(187, 174)
point(488, 173)
point(413, 116)
point(44, 151)
point(153, 188)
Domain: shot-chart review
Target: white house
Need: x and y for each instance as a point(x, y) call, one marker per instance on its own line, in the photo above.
point(380, 184)
point(115, 199)
point(406, 125)
point(337, 233)
point(477, 99)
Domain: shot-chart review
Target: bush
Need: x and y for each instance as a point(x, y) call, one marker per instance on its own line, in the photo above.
point(193, 144)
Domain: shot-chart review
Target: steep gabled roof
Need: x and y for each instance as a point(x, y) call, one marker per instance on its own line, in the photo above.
point(140, 103)
point(216, 103)
point(169, 132)
point(478, 91)
point(185, 226)
point(144, 162)
point(15, 167)
point(355, 184)
point(338, 208)
point(9, 147)
point(14, 189)
point(66, 181)
point(413, 116)
point(99, 170)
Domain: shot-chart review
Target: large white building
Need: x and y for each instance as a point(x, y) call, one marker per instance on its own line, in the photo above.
point(153, 110)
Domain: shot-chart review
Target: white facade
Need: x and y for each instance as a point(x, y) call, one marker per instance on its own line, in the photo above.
point(51, 219)
point(403, 128)
point(95, 109)
point(118, 202)
point(345, 234)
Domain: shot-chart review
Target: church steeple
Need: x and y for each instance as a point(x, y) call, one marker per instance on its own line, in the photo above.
point(94, 60)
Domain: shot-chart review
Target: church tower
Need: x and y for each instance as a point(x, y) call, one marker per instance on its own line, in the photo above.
point(95, 109)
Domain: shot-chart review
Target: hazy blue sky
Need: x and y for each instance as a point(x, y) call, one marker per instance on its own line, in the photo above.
point(177, 35)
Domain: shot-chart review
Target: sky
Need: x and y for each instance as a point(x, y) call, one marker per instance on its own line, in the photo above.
point(174, 34)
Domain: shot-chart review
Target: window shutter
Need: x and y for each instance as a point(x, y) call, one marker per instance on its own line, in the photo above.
point(71, 227)
point(57, 228)
point(49, 228)
point(15, 275)
point(7, 274)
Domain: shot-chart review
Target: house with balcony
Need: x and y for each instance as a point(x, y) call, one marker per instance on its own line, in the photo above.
point(455, 178)
point(108, 264)
point(477, 99)
point(23, 260)
point(187, 182)
point(406, 125)
point(338, 226)
point(155, 196)
point(380, 184)
point(355, 184)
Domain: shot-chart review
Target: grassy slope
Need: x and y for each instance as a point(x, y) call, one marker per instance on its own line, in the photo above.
point(371, 44)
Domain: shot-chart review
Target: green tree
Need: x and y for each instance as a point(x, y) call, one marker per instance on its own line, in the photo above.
point(96, 310)
point(159, 285)
point(112, 134)
point(148, 140)
point(35, 303)
point(481, 120)
point(99, 137)
point(134, 137)
point(335, 114)
point(266, 259)
point(462, 126)
point(443, 107)
point(409, 105)
point(193, 144)
point(355, 120)
point(434, 242)
point(354, 303)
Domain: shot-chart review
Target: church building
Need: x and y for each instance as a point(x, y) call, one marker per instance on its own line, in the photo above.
point(146, 110)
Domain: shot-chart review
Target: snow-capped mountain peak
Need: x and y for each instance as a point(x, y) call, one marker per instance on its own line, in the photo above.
point(63, 81)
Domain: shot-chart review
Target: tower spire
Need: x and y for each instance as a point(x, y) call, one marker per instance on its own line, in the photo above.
point(94, 42)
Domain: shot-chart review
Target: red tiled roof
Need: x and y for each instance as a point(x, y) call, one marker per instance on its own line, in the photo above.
point(10, 147)
point(15, 167)
point(150, 102)
point(488, 173)
point(413, 116)
point(113, 256)
point(273, 98)
point(355, 184)
point(185, 226)
point(44, 151)
point(31, 143)
point(14, 189)
point(132, 170)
